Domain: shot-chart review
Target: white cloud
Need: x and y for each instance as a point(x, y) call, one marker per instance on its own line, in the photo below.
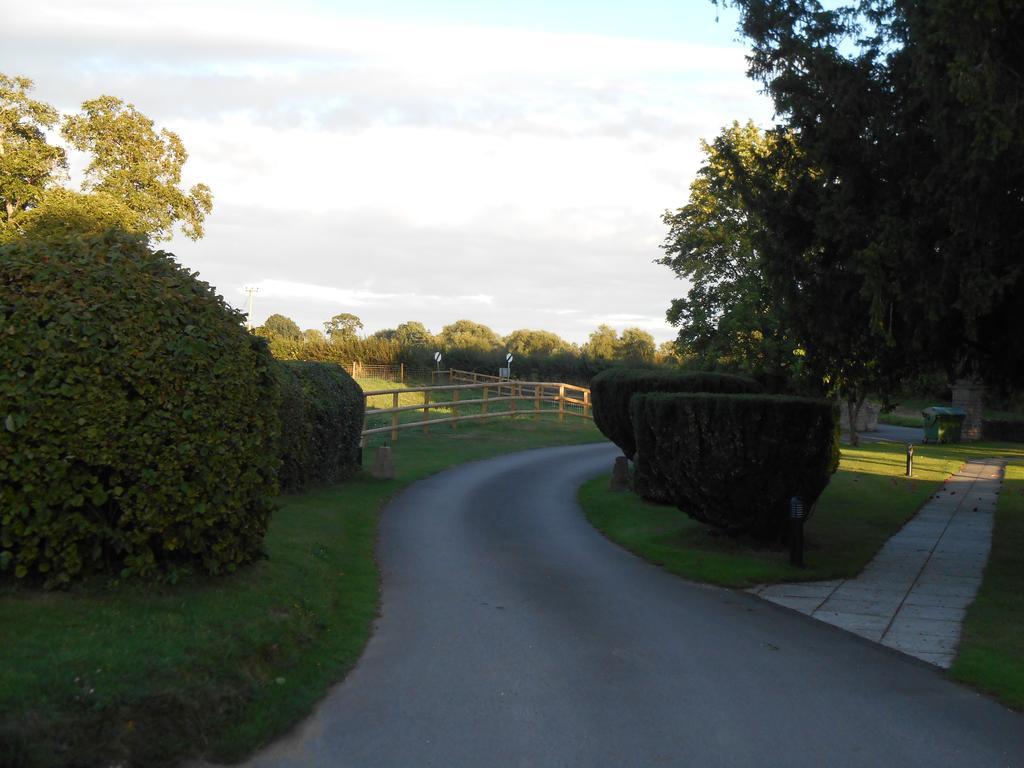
point(413, 171)
point(357, 297)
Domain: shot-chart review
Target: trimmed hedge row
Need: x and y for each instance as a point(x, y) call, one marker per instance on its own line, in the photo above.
point(321, 417)
point(138, 418)
point(612, 390)
point(734, 461)
point(1005, 431)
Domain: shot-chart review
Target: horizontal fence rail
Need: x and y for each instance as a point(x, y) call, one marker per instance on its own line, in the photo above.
point(484, 392)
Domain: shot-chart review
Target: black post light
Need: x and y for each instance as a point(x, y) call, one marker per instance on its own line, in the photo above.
point(910, 460)
point(797, 515)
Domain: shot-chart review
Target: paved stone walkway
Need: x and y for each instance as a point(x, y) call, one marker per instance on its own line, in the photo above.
point(914, 594)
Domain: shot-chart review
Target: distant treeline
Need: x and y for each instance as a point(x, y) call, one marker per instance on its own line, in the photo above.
point(466, 345)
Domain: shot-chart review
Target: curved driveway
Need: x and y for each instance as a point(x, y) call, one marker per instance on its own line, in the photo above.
point(513, 634)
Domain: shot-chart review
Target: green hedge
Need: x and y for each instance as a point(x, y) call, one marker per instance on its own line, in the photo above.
point(734, 461)
point(611, 390)
point(1002, 430)
point(138, 418)
point(321, 420)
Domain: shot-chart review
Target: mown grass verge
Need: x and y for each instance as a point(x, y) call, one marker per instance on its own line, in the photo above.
point(868, 500)
point(148, 675)
point(991, 653)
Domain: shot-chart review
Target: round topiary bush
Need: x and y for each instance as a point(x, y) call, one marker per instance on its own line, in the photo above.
point(734, 461)
point(138, 418)
point(612, 389)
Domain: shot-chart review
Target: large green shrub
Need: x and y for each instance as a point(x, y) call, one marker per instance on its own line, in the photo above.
point(1002, 429)
point(734, 461)
point(138, 418)
point(611, 391)
point(321, 421)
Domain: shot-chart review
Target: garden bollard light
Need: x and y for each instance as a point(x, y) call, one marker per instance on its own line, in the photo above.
point(910, 460)
point(797, 515)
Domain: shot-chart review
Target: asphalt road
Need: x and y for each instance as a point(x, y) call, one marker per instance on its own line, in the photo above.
point(891, 433)
point(513, 634)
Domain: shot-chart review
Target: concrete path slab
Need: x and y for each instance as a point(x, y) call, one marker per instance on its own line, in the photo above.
point(914, 594)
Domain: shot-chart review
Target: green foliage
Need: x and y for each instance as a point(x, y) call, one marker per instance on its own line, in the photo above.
point(62, 213)
point(635, 346)
point(341, 350)
point(1003, 430)
point(321, 421)
point(899, 242)
point(343, 327)
point(602, 343)
point(280, 326)
point(728, 316)
point(138, 416)
point(133, 179)
point(29, 165)
point(465, 334)
point(138, 167)
point(612, 390)
point(413, 334)
point(734, 461)
point(526, 342)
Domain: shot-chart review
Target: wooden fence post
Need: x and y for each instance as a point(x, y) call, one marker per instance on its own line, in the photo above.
point(512, 394)
point(586, 401)
point(536, 398)
point(486, 390)
point(394, 418)
point(426, 412)
point(561, 402)
point(455, 409)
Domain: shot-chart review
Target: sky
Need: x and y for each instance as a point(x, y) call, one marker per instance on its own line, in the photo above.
point(506, 162)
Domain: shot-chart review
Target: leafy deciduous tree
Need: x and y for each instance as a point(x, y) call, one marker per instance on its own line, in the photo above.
point(29, 165)
point(133, 180)
point(343, 326)
point(466, 334)
point(636, 346)
point(602, 343)
point(282, 327)
point(728, 316)
point(530, 342)
point(413, 334)
point(137, 166)
point(912, 114)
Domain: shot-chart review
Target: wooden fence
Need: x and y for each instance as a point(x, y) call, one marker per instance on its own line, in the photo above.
point(570, 400)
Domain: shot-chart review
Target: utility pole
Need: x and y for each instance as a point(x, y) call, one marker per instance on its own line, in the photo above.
point(248, 317)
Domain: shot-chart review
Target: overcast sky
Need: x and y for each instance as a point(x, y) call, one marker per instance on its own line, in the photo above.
point(507, 162)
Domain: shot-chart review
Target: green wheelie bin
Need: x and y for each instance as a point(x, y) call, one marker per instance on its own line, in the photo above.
point(942, 424)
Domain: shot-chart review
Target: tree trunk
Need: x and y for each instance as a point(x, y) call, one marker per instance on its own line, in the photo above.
point(854, 404)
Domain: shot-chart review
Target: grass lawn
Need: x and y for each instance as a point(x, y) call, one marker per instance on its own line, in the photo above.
point(868, 500)
point(991, 654)
point(901, 419)
point(217, 667)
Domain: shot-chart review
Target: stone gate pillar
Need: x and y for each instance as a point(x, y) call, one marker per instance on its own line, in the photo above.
point(969, 395)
